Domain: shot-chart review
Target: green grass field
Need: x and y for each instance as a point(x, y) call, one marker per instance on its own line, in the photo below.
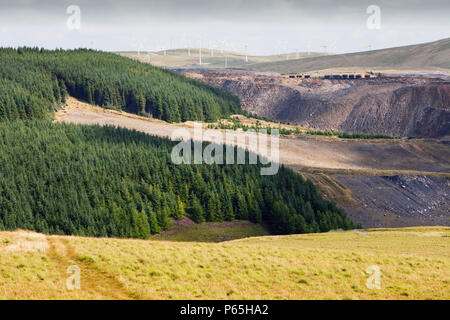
point(414, 264)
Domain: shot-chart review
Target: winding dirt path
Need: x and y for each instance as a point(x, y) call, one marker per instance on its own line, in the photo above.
point(95, 283)
point(372, 157)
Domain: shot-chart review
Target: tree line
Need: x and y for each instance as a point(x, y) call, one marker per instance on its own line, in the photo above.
point(34, 82)
point(107, 181)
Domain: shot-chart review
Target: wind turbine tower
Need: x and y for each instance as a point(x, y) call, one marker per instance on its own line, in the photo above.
point(246, 55)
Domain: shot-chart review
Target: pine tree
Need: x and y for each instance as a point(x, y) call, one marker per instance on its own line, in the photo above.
point(153, 222)
point(241, 208)
point(197, 211)
point(82, 186)
point(141, 228)
point(227, 208)
point(164, 218)
point(180, 212)
point(213, 213)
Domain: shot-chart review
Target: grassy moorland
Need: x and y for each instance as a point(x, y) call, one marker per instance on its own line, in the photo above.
point(414, 264)
point(430, 56)
point(189, 58)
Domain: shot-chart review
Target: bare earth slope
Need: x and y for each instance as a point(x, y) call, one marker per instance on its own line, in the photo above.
point(407, 107)
point(361, 176)
point(426, 56)
point(399, 200)
point(303, 151)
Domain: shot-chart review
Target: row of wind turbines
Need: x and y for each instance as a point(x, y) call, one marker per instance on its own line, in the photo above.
point(328, 49)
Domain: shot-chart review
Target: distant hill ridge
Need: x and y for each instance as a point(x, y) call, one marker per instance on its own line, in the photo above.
point(427, 56)
point(190, 58)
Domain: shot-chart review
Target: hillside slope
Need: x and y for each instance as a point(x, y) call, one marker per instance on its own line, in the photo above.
point(426, 56)
point(106, 181)
point(371, 198)
point(414, 264)
point(405, 107)
point(34, 82)
point(180, 58)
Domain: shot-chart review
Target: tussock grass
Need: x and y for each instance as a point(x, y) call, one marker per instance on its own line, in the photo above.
point(414, 263)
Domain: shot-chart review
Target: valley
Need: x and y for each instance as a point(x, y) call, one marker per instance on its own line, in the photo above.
point(395, 106)
point(211, 157)
point(357, 174)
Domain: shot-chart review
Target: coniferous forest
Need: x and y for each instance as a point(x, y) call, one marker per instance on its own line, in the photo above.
point(35, 81)
point(107, 181)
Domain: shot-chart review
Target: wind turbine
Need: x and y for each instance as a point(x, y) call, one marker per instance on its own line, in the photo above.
point(246, 55)
point(284, 47)
point(146, 48)
point(188, 42)
point(333, 47)
point(136, 43)
point(211, 44)
point(200, 53)
point(224, 43)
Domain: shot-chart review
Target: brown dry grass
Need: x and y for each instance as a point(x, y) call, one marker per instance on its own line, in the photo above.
point(414, 263)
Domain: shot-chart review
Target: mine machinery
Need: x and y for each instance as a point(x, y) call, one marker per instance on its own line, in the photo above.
point(343, 75)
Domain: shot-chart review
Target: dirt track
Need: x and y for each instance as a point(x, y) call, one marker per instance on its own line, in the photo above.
point(398, 156)
point(366, 178)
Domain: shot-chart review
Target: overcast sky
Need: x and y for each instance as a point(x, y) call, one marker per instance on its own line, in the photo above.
point(261, 26)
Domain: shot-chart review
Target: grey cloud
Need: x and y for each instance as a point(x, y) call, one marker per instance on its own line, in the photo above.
point(263, 24)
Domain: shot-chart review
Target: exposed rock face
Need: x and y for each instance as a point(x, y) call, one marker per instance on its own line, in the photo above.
point(399, 201)
point(406, 107)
